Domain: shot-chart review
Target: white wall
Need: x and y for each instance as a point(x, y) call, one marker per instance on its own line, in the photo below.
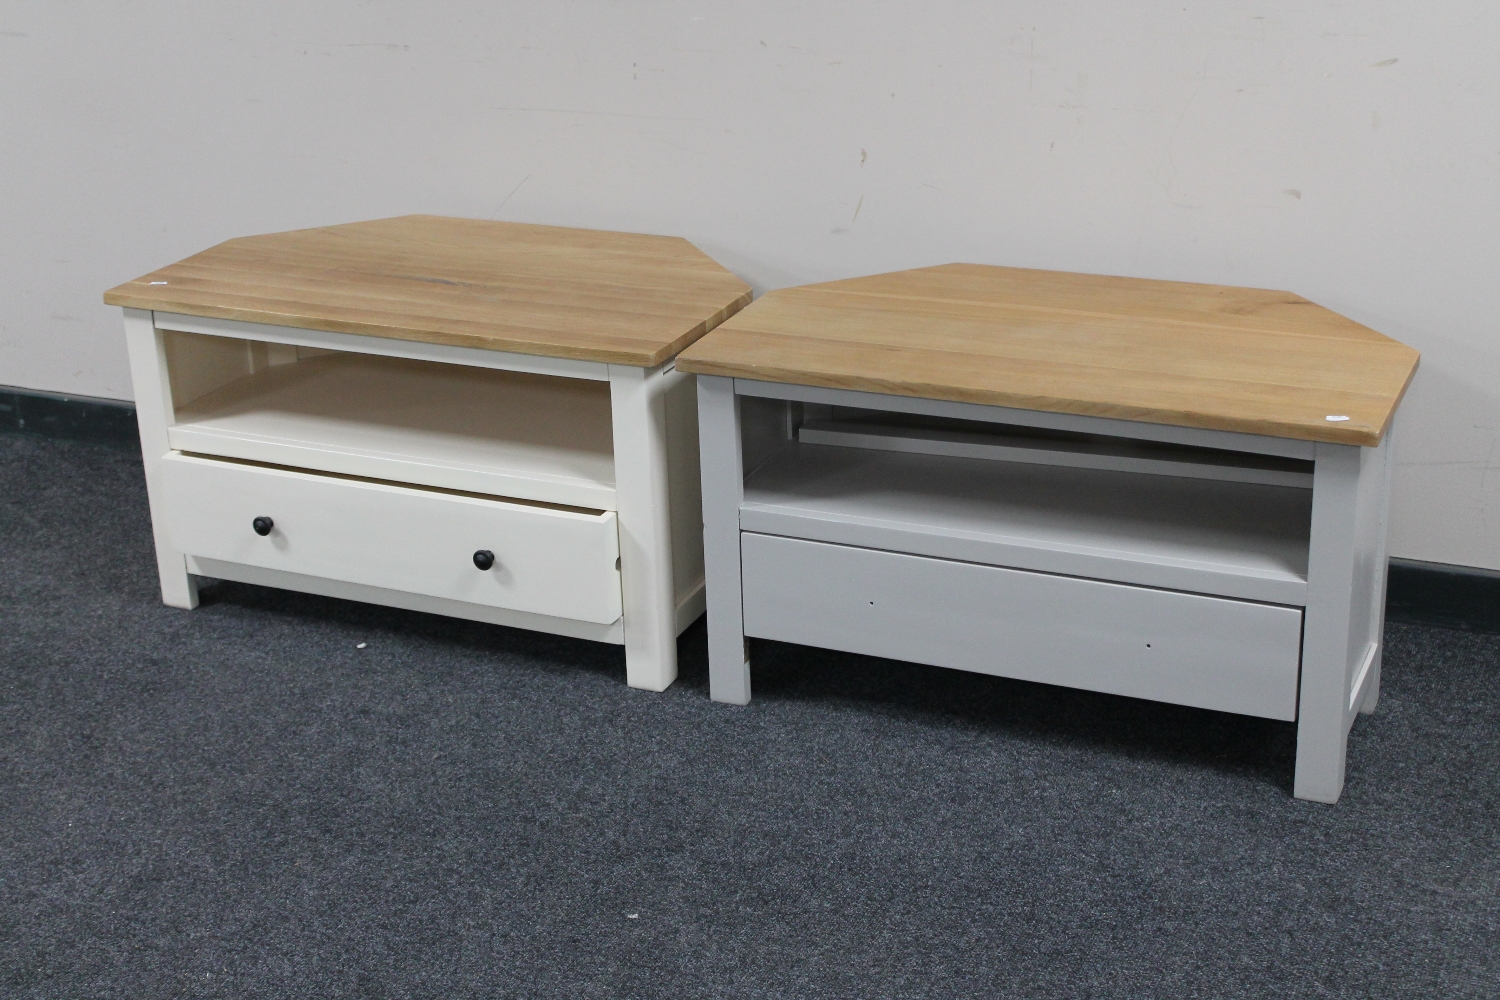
point(1347, 151)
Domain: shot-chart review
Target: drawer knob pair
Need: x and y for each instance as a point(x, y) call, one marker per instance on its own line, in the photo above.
point(483, 559)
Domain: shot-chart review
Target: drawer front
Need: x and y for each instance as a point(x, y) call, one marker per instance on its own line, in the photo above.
point(1188, 649)
point(547, 561)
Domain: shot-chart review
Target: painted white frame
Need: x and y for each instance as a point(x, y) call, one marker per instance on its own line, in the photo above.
point(1345, 605)
point(658, 602)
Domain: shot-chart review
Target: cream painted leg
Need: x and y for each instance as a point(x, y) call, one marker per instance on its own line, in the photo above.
point(643, 503)
point(154, 413)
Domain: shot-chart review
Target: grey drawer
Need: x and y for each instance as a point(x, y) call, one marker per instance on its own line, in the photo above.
point(1188, 649)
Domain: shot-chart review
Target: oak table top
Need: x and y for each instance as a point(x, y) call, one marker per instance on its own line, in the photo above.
point(619, 298)
point(1210, 356)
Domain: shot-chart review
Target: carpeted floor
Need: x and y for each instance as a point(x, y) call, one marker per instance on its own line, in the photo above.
point(240, 801)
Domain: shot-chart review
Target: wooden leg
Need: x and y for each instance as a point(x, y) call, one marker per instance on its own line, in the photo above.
point(643, 503)
point(153, 412)
point(723, 491)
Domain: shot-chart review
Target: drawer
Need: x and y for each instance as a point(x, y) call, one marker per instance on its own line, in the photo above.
point(548, 561)
point(1188, 649)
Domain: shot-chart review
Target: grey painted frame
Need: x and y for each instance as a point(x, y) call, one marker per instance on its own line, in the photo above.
point(1344, 618)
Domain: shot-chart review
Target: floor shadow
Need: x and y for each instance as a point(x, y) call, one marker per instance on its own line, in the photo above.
point(555, 652)
point(1263, 750)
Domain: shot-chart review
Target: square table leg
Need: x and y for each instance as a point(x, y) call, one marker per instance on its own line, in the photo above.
point(643, 505)
point(722, 464)
point(1342, 632)
point(154, 413)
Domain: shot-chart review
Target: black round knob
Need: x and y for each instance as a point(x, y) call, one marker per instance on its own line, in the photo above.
point(262, 525)
point(484, 559)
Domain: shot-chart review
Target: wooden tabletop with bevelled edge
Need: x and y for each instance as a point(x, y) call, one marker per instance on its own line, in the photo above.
point(618, 298)
point(1165, 352)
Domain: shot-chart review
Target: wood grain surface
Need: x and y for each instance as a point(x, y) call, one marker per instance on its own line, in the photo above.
point(1210, 356)
point(619, 298)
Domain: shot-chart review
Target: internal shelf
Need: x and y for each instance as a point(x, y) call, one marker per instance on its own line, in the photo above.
point(1209, 536)
point(507, 434)
point(969, 439)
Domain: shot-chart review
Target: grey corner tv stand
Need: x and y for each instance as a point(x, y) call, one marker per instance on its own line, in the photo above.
point(1162, 490)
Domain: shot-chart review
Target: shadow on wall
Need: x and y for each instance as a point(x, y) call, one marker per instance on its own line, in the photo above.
point(1445, 493)
point(1458, 597)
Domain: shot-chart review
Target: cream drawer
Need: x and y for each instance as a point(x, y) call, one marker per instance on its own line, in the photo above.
point(1189, 649)
point(546, 561)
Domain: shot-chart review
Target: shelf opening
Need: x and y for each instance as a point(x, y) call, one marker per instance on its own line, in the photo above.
point(478, 430)
point(914, 434)
point(1197, 520)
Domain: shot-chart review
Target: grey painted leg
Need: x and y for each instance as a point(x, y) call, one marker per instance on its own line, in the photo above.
point(723, 491)
point(1326, 640)
point(1377, 615)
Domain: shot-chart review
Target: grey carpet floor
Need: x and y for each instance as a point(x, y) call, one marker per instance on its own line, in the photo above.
point(240, 801)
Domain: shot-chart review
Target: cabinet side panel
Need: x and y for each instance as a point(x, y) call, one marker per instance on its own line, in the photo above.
point(200, 364)
point(685, 483)
point(765, 428)
point(1366, 620)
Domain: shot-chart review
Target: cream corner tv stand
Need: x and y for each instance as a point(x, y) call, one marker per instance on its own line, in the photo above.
point(1162, 490)
point(475, 419)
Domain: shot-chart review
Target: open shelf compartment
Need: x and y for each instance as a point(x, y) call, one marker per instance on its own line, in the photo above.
point(478, 430)
point(1201, 530)
point(853, 428)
